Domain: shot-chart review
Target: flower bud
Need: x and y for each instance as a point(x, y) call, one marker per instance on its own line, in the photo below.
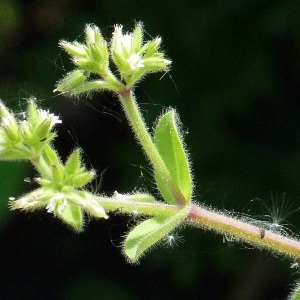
point(151, 47)
point(82, 179)
point(156, 64)
point(74, 49)
point(71, 81)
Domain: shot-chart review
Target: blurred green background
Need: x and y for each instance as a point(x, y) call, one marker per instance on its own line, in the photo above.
point(235, 81)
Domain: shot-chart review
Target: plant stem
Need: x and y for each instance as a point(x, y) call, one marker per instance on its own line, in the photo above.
point(136, 207)
point(242, 230)
point(41, 166)
point(139, 128)
point(237, 229)
point(115, 83)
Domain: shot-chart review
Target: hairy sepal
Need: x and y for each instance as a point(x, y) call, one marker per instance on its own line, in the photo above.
point(149, 232)
point(73, 216)
point(169, 144)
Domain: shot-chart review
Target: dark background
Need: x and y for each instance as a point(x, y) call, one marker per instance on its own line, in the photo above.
point(235, 81)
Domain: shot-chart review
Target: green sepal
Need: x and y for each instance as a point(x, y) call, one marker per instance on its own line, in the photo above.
point(43, 129)
point(50, 155)
point(74, 49)
point(11, 128)
point(32, 112)
point(73, 162)
point(120, 62)
point(89, 86)
point(137, 37)
point(73, 216)
point(99, 53)
point(82, 179)
point(168, 141)
point(149, 232)
point(151, 47)
point(57, 172)
point(43, 182)
point(154, 64)
point(72, 80)
point(92, 34)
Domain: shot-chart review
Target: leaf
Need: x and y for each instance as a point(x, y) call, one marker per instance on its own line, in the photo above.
point(149, 232)
point(168, 142)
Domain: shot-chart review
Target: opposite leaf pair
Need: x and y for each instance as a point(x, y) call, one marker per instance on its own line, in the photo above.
point(169, 145)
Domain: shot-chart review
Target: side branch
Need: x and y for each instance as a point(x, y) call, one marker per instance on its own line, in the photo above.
point(138, 207)
point(139, 128)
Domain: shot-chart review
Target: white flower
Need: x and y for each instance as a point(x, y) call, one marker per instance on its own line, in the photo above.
point(44, 114)
point(126, 41)
point(54, 119)
point(122, 41)
point(57, 204)
point(135, 61)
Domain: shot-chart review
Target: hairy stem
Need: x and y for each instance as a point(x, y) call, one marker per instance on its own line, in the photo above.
point(42, 167)
point(137, 123)
point(136, 207)
point(238, 229)
point(241, 230)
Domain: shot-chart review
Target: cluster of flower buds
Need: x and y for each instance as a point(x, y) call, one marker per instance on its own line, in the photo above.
point(61, 185)
point(25, 139)
point(61, 193)
point(61, 190)
point(132, 57)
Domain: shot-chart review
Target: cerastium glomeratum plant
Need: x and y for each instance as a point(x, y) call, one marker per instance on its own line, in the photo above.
point(62, 185)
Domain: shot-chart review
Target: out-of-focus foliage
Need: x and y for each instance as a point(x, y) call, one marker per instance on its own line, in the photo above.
point(235, 83)
point(11, 184)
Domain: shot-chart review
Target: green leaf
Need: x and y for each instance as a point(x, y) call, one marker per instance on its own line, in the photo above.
point(170, 146)
point(73, 216)
point(149, 232)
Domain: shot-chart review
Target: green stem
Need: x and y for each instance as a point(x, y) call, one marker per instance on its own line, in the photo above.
point(136, 207)
point(116, 85)
point(139, 128)
point(42, 167)
point(244, 230)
